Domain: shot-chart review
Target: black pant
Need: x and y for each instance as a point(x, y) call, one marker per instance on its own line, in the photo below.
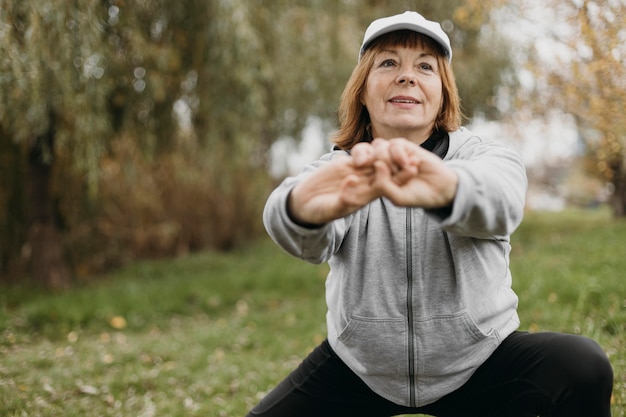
point(529, 375)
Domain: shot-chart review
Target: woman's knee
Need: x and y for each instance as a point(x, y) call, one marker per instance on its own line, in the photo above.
point(585, 363)
point(598, 367)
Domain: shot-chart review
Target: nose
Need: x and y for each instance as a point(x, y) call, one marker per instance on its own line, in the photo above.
point(407, 78)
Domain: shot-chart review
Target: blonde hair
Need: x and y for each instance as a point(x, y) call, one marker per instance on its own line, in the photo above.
point(354, 119)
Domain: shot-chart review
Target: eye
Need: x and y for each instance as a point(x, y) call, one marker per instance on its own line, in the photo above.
point(425, 66)
point(387, 63)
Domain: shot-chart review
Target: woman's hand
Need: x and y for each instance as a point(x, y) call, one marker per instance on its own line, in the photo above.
point(409, 175)
point(335, 190)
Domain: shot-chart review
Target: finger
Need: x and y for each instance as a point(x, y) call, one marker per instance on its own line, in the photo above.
point(356, 191)
point(362, 154)
point(383, 175)
point(404, 153)
point(382, 148)
point(350, 181)
point(385, 183)
point(405, 175)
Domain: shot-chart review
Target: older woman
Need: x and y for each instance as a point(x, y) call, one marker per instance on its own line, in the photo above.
point(413, 213)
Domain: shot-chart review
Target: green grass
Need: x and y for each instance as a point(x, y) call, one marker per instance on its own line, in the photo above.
point(207, 334)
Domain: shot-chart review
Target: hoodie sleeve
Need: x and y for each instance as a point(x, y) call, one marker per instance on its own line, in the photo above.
point(313, 244)
point(490, 198)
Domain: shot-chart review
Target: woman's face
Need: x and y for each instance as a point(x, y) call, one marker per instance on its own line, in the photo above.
point(403, 93)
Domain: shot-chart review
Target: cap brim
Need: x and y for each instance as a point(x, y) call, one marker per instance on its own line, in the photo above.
point(406, 26)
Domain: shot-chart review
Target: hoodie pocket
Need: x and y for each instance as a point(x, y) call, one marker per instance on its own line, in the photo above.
point(377, 346)
point(452, 346)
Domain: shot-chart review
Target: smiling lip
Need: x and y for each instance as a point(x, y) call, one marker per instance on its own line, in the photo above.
point(404, 100)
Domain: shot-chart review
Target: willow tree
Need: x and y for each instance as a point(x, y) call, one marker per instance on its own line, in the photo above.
point(53, 101)
point(74, 75)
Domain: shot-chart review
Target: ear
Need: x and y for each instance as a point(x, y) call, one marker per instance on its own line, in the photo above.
point(362, 94)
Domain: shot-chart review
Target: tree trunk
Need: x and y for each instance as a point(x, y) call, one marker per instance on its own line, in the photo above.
point(44, 246)
point(618, 199)
point(12, 217)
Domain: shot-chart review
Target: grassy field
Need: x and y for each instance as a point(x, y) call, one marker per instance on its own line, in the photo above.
point(207, 334)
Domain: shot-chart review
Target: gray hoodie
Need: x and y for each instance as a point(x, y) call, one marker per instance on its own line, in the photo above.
point(417, 301)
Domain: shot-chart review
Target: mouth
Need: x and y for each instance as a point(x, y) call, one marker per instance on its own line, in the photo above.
point(404, 100)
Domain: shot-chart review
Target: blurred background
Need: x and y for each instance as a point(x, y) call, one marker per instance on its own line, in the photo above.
point(148, 129)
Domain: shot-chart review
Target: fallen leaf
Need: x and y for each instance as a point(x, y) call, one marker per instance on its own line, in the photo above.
point(118, 322)
point(87, 389)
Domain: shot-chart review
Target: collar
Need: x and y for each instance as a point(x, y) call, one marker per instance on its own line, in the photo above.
point(438, 143)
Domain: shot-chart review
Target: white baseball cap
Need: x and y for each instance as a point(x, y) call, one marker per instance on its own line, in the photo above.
point(406, 21)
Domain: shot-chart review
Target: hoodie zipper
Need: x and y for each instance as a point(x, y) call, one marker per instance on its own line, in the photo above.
point(409, 306)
